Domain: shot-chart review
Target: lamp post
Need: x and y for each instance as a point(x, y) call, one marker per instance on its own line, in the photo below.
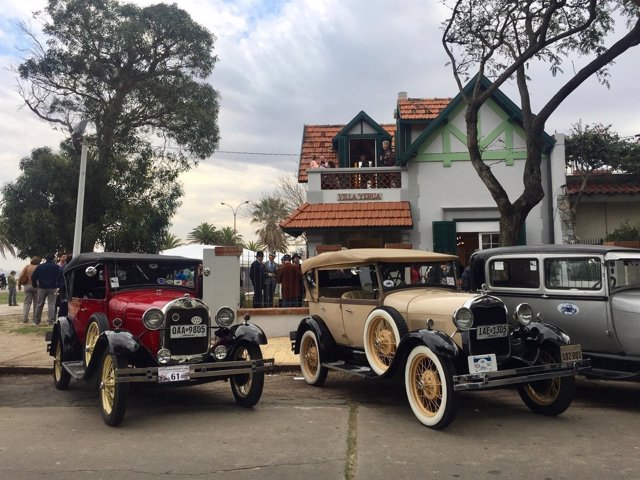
point(78, 134)
point(235, 212)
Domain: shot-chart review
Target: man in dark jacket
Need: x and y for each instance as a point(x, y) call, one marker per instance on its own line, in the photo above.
point(257, 276)
point(45, 280)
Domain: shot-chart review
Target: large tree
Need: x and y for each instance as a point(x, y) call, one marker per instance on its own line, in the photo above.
point(205, 233)
point(268, 212)
point(501, 39)
point(133, 73)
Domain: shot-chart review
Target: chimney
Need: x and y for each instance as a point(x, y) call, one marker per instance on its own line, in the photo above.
point(402, 95)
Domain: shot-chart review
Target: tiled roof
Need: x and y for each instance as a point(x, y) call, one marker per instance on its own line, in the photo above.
point(605, 184)
point(421, 108)
point(316, 143)
point(348, 215)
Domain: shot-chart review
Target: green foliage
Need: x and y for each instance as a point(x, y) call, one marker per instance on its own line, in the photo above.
point(255, 246)
point(205, 233)
point(591, 147)
point(132, 72)
point(5, 244)
point(230, 238)
point(269, 212)
point(170, 241)
point(624, 232)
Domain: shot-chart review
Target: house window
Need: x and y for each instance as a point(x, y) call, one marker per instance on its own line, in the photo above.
point(489, 240)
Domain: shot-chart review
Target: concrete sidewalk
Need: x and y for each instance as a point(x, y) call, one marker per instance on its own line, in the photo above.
point(27, 352)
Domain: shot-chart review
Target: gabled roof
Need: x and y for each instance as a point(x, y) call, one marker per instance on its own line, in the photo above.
point(421, 108)
point(317, 142)
point(363, 117)
point(348, 215)
point(501, 100)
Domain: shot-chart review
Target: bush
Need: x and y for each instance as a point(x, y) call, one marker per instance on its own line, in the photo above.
point(624, 232)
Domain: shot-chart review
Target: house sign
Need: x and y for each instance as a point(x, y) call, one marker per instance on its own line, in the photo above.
point(351, 197)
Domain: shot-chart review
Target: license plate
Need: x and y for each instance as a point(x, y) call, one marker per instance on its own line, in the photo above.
point(188, 331)
point(570, 353)
point(484, 332)
point(174, 373)
point(482, 363)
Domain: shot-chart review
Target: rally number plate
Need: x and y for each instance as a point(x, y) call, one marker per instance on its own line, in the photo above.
point(570, 353)
point(482, 363)
point(174, 373)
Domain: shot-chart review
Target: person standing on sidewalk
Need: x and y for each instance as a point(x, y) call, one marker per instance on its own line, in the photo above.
point(45, 279)
point(11, 283)
point(24, 280)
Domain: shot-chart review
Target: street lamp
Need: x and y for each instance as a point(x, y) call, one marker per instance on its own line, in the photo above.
point(235, 212)
point(78, 135)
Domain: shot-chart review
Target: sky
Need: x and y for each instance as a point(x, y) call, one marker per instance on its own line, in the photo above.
point(286, 63)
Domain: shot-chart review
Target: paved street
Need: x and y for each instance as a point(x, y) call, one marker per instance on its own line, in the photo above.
point(350, 428)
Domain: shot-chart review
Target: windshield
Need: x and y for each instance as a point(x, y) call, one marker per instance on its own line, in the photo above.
point(130, 274)
point(624, 273)
point(402, 275)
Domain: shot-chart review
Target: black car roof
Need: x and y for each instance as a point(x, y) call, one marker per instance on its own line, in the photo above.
point(563, 248)
point(98, 257)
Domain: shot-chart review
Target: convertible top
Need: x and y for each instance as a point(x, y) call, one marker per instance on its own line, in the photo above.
point(97, 257)
point(362, 256)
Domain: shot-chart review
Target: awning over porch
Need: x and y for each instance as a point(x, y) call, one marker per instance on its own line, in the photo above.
point(322, 216)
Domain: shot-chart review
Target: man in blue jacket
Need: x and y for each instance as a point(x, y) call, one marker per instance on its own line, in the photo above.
point(44, 279)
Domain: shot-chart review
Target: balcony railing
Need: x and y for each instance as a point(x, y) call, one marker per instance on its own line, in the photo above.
point(360, 178)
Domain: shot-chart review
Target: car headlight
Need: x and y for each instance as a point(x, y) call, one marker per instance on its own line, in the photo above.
point(524, 314)
point(225, 317)
point(220, 352)
point(153, 319)
point(463, 318)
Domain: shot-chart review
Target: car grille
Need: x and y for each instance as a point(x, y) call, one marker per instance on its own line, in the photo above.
point(181, 315)
point(488, 311)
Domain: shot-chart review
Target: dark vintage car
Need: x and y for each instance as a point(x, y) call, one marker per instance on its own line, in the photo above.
point(137, 318)
point(380, 313)
point(590, 291)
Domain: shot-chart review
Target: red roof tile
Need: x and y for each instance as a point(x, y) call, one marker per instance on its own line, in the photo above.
point(605, 184)
point(421, 108)
point(349, 215)
point(317, 143)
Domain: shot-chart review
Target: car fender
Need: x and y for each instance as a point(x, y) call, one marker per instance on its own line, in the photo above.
point(116, 342)
point(249, 332)
point(438, 342)
point(326, 341)
point(63, 330)
point(533, 337)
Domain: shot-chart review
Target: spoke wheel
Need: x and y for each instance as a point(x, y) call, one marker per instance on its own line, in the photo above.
point(548, 397)
point(382, 333)
point(247, 389)
point(428, 381)
point(61, 377)
point(113, 396)
point(310, 362)
point(91, 337)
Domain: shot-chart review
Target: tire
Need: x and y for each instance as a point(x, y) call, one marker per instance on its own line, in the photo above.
point(382, 333)
point(61, 377)
point(310, 361)
point(113, 396)
point(548, 397)
point(428, 379)
point(96, 326)
point(247, 389)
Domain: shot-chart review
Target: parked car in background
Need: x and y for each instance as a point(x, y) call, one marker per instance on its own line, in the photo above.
point(135, 318)
point(592, 292)
point(380, 313)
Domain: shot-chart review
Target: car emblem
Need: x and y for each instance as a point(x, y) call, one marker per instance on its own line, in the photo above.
point(196, 320)
point(175, 317)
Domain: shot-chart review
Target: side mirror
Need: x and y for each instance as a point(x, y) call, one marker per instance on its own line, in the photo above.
point(91, 272)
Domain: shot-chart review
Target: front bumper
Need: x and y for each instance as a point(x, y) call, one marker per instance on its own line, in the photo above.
point(197, 371)
point(480, 381)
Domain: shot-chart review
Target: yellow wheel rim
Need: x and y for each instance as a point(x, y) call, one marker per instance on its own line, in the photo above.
point(244, 388)
point(107, 384)
point(381, 342)
point(93, 332)
point(426, 385)
point(544, 392)
point(310, 357)
point(57, 361)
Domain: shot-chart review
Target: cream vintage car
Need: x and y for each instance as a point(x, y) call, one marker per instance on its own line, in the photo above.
point(380, 313)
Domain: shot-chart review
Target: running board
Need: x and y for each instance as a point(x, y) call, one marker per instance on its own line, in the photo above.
point(75, 369)
point(359, 370)
point(604, 374)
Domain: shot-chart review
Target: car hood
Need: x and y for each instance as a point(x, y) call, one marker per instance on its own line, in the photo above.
point(142, 300)
point(431, 301)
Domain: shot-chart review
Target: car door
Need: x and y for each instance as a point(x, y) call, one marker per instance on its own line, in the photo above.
point(358, 303)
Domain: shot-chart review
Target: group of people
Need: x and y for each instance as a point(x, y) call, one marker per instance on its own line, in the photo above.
point(266, 275)
point(42, 282)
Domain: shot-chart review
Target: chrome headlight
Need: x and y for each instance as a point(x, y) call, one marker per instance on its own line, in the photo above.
point(524, 314)
point(463, 318)
point(220, 352)
point(153, 319)
point(225, 317)
point(163, 355)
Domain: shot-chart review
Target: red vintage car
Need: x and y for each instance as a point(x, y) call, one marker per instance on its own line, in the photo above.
point(130, 318)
